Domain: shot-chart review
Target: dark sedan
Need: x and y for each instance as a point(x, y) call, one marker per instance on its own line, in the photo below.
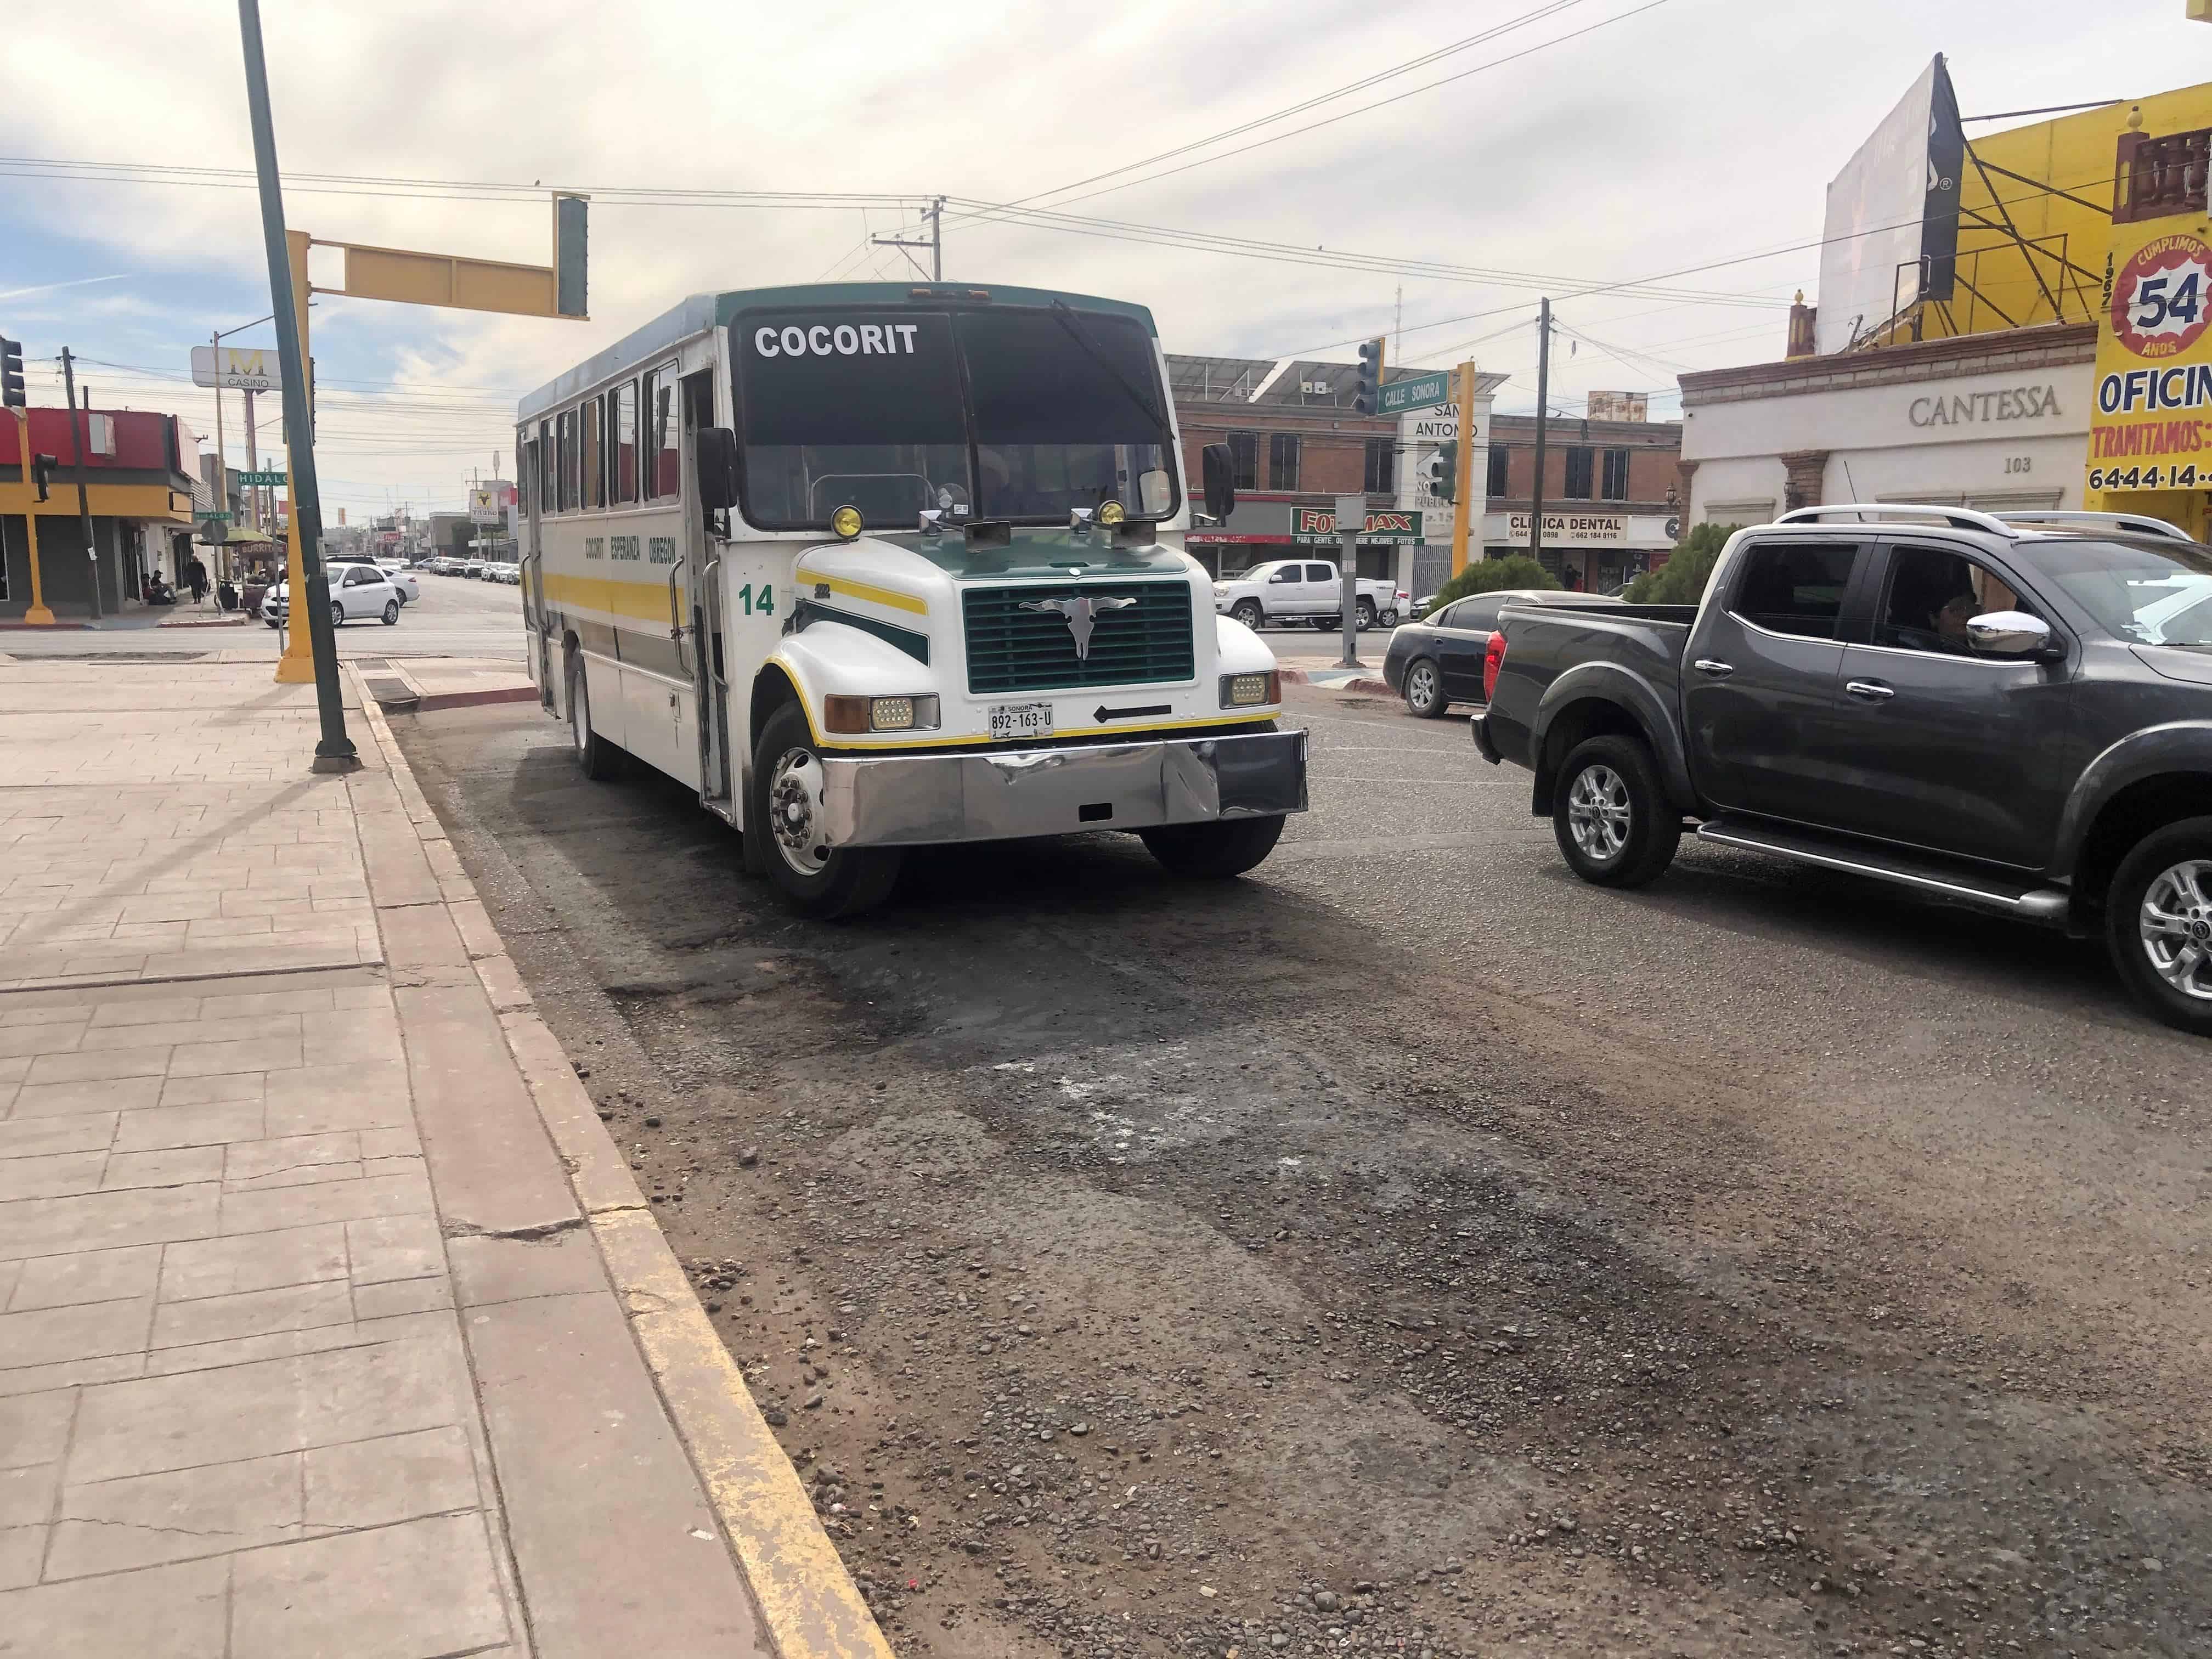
point(1437, 661)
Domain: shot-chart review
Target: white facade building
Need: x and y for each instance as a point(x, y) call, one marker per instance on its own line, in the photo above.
point(1997, 421)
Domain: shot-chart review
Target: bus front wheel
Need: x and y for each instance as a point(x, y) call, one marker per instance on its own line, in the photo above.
point(812, 878)
point(595, 756)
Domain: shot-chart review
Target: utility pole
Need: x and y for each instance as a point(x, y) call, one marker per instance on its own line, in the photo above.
point(288, 288)
point(935, 214)
point(1543, 416)
point(1398, 327)
point(77, 442)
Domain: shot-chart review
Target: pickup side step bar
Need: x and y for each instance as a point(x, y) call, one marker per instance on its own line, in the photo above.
point(2045, 906)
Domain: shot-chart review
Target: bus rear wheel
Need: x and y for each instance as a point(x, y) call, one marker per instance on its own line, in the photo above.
point(812, 878)
point(595, 756)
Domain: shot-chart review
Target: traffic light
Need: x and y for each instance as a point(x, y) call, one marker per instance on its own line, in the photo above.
point(1369, 398)
point(11, 375)
point(1443, 470)
point(42, 473)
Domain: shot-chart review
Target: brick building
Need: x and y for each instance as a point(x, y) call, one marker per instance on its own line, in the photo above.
point(1611, 494)
point(1610, 500)
point(1296, 440)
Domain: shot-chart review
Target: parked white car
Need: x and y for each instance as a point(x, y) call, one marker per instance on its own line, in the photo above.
point(1291, 590)
point(358, 592)
point(403, 579)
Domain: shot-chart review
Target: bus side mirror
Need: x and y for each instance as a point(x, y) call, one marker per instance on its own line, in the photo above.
point(1220, 481)
point(718, 468)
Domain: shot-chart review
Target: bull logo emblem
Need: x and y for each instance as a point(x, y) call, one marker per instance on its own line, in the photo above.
point(1082, 615)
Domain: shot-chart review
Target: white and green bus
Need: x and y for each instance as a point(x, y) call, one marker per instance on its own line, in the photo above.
point(872, 566)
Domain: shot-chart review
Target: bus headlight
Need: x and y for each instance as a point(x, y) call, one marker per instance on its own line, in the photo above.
point(1251, 690)
point(852, 714)
point(846, 523)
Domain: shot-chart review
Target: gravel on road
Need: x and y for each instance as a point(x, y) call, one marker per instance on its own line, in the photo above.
point(1407, 1248)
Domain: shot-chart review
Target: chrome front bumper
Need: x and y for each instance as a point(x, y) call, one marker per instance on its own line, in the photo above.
point(924, 799)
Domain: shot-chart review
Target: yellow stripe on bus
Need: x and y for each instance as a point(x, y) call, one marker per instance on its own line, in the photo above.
point(852, 590)
point(647, 601)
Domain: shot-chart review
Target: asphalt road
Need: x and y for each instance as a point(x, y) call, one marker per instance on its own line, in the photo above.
point(1763, 1263)
point(455, 617)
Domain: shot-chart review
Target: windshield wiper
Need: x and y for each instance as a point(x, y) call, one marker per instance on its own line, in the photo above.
point(1064, 313)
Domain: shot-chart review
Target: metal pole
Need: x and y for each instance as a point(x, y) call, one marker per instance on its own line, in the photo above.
point(1543, 415)
point(83, 503)
point(1351, 519)
point(937, 241)
point(334, 750)
point(252, 464)
point(222, 464)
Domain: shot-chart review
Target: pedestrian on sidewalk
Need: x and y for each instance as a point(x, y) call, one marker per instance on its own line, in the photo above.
point(196, 577)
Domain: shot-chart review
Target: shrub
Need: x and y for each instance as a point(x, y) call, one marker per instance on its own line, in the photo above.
point(1488, 575)
point(1682, 579)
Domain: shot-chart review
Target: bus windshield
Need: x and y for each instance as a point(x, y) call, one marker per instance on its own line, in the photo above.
point(1020, 414)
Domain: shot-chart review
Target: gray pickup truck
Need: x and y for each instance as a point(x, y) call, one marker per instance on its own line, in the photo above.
point(2009, 712)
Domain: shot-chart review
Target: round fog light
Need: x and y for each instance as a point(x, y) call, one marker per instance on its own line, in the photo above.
point(1111, 512)
point(846, 522)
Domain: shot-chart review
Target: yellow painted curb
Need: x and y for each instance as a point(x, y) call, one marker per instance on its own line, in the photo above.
point(807, 1600)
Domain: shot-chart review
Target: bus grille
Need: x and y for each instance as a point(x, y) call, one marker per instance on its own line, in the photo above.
point(1011, 649)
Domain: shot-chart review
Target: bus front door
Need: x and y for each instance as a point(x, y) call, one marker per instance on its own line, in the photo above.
point(709, 674)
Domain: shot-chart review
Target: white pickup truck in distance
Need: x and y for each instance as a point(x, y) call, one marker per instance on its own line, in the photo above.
point(1304, 590)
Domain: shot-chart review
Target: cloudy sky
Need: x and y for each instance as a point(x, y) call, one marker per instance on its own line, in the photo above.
point(1582, 142)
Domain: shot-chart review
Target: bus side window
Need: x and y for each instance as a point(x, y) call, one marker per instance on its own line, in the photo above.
point(664, 444)
point(568, 460)
point(595, 465)
point(545, 468)
point(623, 437)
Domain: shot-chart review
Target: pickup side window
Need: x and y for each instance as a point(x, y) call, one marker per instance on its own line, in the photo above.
point(1931, 594)
point(1285, 573)
point(1794, 588)
point(1319, 573)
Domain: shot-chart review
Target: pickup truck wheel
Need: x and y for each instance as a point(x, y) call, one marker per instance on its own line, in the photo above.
point(1615, 824)
point(2158, 924)
point(1249, 612)
point(812, 878)
point(1366, 613)
point(1424, 688)
point(1212, 852)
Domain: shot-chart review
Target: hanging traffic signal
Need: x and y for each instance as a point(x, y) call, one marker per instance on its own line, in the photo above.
point(1443, 470)
point(42, 473)
point(1370, 397)
point(11, 375)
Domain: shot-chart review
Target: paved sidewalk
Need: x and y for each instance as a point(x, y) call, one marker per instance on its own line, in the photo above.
point(330, 1321)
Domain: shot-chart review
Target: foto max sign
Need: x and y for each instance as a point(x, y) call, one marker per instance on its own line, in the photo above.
point(1313, 525)
point(2152, 425)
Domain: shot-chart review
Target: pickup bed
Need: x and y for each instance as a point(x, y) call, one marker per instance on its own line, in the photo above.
point(2013, 717)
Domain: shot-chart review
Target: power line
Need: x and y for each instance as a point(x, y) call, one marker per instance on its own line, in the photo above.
point(1345, 91)
point(1315, 126)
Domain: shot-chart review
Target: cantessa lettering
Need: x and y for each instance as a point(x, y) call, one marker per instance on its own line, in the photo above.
point(836, 340)
point(2019, 403)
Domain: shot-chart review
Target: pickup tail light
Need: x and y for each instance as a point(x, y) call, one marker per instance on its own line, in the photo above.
point(1492, 660)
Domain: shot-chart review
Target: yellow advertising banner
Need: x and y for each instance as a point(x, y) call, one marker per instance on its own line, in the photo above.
point(2152, 426)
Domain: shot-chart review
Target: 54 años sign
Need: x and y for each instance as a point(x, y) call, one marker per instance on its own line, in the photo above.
point(2152, 428)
